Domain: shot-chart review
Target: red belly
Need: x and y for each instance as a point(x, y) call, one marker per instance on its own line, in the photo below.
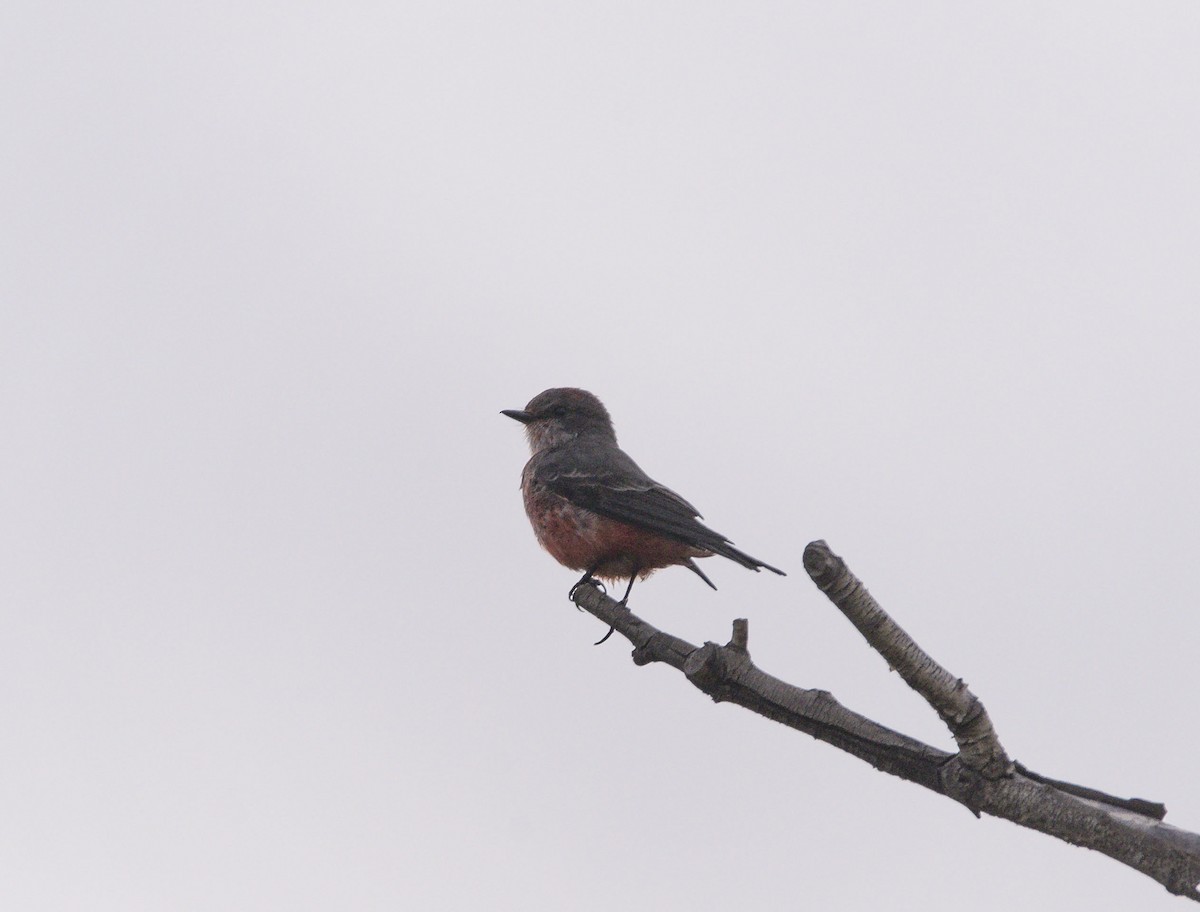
point(580, 539)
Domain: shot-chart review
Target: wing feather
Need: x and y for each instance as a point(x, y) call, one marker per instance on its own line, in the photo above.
point(606, 481)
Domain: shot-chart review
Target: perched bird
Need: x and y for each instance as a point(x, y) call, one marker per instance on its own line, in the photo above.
point(594, 509)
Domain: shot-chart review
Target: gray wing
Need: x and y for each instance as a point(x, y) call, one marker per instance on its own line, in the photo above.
point(606, 481)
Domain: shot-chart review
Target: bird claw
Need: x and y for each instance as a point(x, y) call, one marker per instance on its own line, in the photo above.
point(587, 581)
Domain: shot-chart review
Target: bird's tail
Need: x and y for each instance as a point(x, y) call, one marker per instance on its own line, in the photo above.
point(691, 565)
point(727, 550)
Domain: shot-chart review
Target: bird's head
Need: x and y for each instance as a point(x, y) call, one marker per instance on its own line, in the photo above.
point(561, 414)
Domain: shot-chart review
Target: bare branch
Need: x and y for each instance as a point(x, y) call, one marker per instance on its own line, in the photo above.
point(978, 747)
point(727, 675)
point(980, 776)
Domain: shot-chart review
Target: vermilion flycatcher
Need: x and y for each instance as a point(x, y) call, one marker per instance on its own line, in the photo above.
point(594, 509)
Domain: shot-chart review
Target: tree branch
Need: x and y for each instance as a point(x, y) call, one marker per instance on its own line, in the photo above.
point(978, 747)
point(980, 776)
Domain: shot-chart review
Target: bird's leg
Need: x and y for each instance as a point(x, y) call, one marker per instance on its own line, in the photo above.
point(586, 580)
point(622, 603)
point(629, 588)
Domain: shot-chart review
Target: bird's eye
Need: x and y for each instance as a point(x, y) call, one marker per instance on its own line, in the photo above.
point(558, 411)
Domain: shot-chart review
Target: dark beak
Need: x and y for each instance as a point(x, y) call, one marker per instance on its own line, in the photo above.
point(517, 415)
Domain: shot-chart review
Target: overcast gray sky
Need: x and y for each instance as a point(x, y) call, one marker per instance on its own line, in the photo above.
point(918, 279)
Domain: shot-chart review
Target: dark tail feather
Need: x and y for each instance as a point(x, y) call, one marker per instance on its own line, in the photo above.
point(741, 557)
point(691, 565)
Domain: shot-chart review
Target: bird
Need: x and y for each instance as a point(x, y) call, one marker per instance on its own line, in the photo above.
point(595, 510)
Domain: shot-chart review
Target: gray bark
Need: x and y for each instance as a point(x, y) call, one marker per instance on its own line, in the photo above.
point(980, 775)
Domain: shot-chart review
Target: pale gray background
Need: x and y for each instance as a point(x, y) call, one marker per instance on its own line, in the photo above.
point(920, 279)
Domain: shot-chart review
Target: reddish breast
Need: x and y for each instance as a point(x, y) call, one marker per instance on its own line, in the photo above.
point(582, 540)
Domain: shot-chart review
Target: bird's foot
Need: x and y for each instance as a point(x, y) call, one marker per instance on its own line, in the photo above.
point(586, 581)
point(605, 637)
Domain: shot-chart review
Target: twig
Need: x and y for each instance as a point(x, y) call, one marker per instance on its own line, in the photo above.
point(978, 747)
